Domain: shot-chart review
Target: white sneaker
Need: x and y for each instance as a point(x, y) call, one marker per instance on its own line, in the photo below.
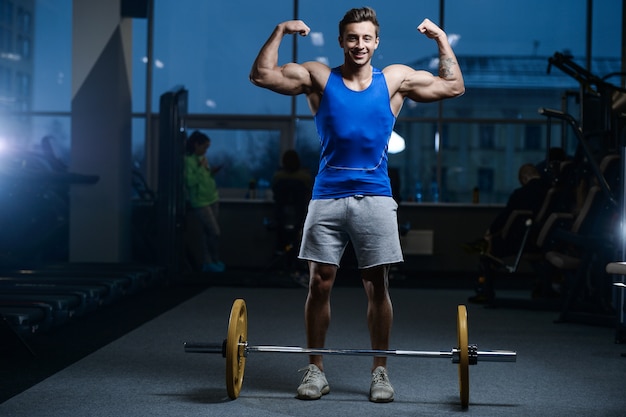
point(381, 390)
point(313, 385)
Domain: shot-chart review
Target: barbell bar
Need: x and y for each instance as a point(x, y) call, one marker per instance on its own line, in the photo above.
point(484, 355)
point(235, 349)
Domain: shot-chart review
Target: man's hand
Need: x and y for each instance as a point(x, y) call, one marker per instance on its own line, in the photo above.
point(430, 29)
point(292, 27)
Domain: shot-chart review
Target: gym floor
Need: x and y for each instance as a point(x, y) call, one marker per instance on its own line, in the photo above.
point(131, 362)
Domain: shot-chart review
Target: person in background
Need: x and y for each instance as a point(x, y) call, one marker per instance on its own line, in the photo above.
point(529, 196)
point(291, 188)
point(355, 107)
point(203, 199)
point(550, 168)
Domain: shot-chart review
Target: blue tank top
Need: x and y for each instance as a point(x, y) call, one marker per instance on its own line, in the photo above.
point(354, 128)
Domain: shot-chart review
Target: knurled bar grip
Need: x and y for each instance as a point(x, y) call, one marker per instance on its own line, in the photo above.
point(481, 355)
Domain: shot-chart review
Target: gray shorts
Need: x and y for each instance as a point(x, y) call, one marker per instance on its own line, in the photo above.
point(369, 222)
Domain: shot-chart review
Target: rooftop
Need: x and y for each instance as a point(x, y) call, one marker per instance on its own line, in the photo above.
point(521, 71)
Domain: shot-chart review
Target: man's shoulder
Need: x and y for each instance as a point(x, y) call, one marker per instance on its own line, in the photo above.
point(319, 73)
point(316, 67)
point(395, 74)
point(396, 70)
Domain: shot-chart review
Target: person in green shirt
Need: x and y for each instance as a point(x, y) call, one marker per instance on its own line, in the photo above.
point(203, 198)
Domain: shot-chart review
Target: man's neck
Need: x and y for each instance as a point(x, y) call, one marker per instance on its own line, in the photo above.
point(353, 71)
point(357, 77)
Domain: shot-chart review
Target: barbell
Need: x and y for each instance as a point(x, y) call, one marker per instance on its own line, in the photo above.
point(235, 349)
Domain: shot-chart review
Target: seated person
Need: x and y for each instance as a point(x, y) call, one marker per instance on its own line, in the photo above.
point(494, 245)
point(291, 187)
point(550, 169)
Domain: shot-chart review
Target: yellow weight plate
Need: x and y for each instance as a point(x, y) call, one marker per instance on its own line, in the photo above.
point(235, 349)
point(463, 355)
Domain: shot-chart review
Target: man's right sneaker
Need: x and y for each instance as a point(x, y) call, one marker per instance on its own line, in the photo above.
point(381, 390)
point(313, 385)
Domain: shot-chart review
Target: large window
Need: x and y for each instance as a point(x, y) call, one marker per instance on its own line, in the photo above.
point(208, 47)
point(35, 73)
point(477, 140)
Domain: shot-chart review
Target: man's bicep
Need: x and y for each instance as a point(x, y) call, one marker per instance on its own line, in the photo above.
point(292, 79)
point(286, 79)
point(420, 86)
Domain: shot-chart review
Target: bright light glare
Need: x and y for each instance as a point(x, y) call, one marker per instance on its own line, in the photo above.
point(322, 59)
point(317, 38)
point(453, 39)
point(436, 141)
point(157, 62)
point(396, 143)
point(11, 56)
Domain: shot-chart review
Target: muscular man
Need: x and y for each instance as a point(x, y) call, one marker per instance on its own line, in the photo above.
point(355, 107)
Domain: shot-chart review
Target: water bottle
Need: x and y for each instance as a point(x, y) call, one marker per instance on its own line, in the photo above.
point(434, 191)
point(476, 195)
point(262, 187)
point(418, 192)
point(251, 194)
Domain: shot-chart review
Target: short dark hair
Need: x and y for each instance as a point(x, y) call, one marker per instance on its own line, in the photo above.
point(357, 15)
point(526, 172)
point(196, 138)
point(291, 160)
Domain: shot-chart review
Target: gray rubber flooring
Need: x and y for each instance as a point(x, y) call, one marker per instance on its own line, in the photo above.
point(561, 369)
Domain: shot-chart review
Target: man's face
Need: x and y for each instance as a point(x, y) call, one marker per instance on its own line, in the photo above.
point(359, 41)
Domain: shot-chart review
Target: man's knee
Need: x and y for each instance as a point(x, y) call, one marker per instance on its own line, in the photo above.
point(322, 277)
point(376, 275)
point(376, 282)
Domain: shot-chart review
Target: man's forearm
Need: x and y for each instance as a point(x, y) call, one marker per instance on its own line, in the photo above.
point(449, 69)
point(268, 55)
point(448, 65)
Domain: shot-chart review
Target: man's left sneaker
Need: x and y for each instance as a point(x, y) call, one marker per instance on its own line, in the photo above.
point(381, 390)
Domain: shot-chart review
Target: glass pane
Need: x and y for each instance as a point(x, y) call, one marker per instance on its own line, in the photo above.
point(307, 145)
point(138, 145)
point(139, 58)
point(56, 130)
point(209, 48)
point(35, 63)
point(517, 28)
point(248, 158)
point(607, 29)
point(52, 55)
point(474, 155)
point(510, 73)
point(417, 164)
